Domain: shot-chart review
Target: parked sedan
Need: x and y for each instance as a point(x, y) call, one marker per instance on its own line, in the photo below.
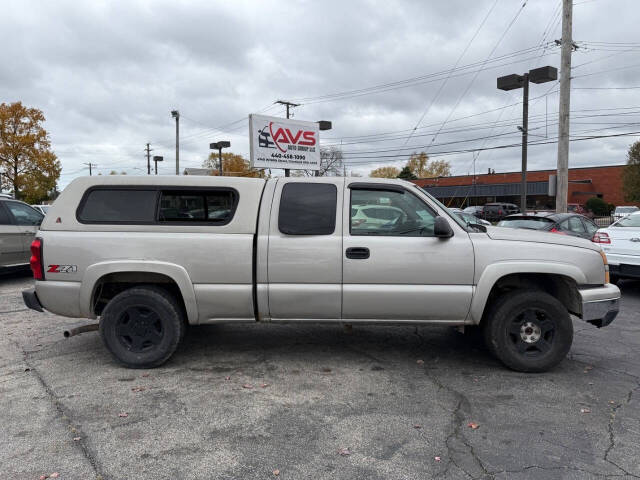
point(621, 242)
point(43, 209)
point(562, 223)
point(621, 212)
point(476, 210)
point(18, 225)
point(470, 219)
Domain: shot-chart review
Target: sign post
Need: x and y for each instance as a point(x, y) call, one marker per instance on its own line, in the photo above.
point(283, 143)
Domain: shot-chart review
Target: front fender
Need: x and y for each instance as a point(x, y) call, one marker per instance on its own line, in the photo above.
point(177, 273)
point(494, 272)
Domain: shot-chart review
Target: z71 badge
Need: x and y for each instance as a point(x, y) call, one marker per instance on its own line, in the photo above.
point(62, 269)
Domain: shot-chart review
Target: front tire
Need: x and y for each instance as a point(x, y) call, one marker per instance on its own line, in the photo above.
point(529, 331)
point(142, 326)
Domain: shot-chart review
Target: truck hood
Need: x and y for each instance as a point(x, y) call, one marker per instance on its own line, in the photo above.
point(526, 235)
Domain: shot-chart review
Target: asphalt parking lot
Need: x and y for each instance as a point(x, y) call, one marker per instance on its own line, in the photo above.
point(294, 402)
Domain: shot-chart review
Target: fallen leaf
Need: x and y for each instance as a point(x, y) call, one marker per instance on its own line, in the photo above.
point(437, 459)
point(344, 452)
point(417, 426)
point(227, 377)
point(123, 414)
point(145, 374)
point(612, 402)
point(138, 389)
point(420, 362)
point(44, 477)
point(264, 385)
point(585, 410)
point(54, 475)
point(587, 368)
point(326, 370)
point(276, 472)
point(27, 369)
point(473, 425)
point(247, 385)
point(76, 439)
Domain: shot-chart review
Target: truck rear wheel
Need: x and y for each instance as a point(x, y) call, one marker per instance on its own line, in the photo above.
point(142, 326)
point(529, 331)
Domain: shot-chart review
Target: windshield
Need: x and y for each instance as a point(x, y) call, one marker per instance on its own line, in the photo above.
point(630, 221)
point(534, 223)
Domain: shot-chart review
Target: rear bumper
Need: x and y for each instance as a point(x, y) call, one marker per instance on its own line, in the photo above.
point(600, 305)
point(31, 300)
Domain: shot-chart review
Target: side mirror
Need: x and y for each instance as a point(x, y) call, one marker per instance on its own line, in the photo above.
point(441, 228)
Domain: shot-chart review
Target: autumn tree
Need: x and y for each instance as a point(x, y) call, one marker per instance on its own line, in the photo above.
point(385, 172)
point(233, 165)
point(28, 165)
point(422, 167)
point(631, 177)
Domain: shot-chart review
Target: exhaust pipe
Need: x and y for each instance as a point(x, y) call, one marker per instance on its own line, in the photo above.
point(78, 330)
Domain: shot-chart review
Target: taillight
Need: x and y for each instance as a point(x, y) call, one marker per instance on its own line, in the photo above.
point(601, 237)
point(36, 259)
point(555, 230)
point(499, 212)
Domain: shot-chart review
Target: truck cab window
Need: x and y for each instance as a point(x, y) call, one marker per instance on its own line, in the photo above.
point(308, 209)
point(390, 213)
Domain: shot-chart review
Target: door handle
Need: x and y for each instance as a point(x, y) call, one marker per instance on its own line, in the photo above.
point(358, 253)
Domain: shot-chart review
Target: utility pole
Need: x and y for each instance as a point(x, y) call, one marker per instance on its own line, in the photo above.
point(148, 150)
point(287, 104)
point(525, 142)
point(91, 165)
point(176, 114)
point(562, 189)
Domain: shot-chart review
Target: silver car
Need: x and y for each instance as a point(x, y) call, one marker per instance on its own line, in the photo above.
point(19, 223)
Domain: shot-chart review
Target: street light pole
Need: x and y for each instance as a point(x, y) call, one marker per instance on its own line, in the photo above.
point(219, 146)
point(512, 82)
point(176, 114)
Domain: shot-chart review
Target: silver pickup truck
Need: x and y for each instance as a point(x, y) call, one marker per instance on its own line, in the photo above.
point(151, 255)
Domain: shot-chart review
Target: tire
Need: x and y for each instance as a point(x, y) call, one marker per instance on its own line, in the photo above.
point(528, 331)
point(142, 326)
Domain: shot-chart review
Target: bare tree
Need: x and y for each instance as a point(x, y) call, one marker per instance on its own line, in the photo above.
point(331, 164)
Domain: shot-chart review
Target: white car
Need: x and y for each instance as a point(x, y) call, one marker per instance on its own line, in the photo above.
point(621, 212)
point(621, 242)
point(43, 209)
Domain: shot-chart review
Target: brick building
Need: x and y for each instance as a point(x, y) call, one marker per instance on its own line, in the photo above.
point(584, 183)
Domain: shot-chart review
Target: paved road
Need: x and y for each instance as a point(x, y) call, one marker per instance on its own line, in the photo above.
point(316, 391)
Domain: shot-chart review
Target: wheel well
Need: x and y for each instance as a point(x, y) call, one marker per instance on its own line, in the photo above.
point(112, 284)
point(563, 288)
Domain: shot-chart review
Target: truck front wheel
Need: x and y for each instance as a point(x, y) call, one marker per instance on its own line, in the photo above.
point(529, 331)
point(142, 326)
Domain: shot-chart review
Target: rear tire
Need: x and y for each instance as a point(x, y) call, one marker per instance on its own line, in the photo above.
point(528, 331)
point(142, 326)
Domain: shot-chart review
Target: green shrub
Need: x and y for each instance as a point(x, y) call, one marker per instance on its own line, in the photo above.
point(598, 206)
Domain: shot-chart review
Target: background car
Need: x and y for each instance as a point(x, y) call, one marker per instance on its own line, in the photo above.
point(365, 216)
point(471, 219)
point(621, 242)
point(621, 212)
point(563, 223)
point(494, 212)
point(19, 223)
point(43, 209)
point(475, 210)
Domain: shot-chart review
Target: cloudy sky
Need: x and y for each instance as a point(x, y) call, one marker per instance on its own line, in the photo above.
point(108, 73)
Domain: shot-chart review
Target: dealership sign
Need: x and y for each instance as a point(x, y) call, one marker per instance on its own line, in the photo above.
point(283, 143)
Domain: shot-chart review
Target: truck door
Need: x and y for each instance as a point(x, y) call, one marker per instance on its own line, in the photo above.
point(397, 269)
point(305, 249)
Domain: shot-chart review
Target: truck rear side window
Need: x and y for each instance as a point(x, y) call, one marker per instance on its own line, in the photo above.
point(216, 206)
point(308, 209)
point(118, 206)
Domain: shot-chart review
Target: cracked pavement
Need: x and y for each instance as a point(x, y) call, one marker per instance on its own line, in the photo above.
point(314, 391)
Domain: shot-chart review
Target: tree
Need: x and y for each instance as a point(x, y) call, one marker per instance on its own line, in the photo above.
point(29, 167)
point(331, 164)
point(385, 172)
point(113, 172)
point(407, 174)
point(233, 165)
point(422, 167)
point(631, 177)
point(598, 206)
